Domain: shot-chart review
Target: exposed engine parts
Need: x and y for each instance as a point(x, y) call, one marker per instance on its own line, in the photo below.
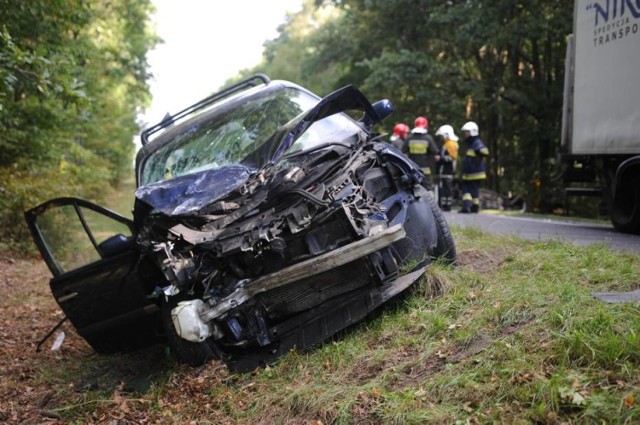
point(310, 216)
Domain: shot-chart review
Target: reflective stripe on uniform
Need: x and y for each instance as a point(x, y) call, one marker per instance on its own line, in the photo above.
point(471, 153)
point(466, 197)
point(484, 151)
point(426, 170)
point(475, 176)
point(418, 147)
point(476, 201)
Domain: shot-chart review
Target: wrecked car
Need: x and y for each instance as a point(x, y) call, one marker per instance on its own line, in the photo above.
point(265, 219)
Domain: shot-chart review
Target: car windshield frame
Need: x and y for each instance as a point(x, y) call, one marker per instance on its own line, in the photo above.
point(237, 133)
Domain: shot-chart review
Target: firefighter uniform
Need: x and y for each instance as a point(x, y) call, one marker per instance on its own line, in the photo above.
point(399, 137)
point(446, 171)
point(422, 151)
point(473, 173)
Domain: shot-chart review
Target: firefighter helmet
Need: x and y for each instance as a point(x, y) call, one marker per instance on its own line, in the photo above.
point(471, 127)
point(447, 133)
point(400, 130)
point(421, 122)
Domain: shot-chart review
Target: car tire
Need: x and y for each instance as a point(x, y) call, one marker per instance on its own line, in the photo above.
point(445, 250)
point(192, 353)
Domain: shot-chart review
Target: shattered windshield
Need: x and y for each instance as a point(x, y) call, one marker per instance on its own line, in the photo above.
point(232, 136)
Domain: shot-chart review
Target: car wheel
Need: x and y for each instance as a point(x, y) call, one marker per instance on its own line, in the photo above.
point(191, 353)
point(445, 249)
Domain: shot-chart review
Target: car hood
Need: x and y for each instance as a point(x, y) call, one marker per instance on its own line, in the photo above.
point(190, 193)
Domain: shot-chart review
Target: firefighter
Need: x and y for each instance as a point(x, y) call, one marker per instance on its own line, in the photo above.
point(423, 150)
point(399, 137)
point(447, 165)
point(473, 168)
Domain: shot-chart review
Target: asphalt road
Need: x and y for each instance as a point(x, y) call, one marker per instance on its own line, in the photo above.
point(577, 233)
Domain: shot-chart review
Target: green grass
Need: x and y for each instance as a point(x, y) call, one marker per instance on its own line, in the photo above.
point(510, 335)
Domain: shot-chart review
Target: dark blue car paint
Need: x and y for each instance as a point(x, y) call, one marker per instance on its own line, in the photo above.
point(190, 193)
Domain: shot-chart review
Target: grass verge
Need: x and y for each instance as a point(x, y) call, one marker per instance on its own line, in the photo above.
point(513, 335)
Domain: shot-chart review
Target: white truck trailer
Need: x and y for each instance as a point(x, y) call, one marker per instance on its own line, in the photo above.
point(601, 116)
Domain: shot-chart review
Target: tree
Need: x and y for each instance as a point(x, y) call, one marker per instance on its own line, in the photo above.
point(497, 62)
point(73, 75)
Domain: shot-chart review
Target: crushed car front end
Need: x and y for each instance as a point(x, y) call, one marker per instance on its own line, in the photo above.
point(278, 221)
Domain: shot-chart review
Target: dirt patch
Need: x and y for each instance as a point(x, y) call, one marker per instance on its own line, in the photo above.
point(34, 383)
point(475, 348)
point(27, 313)
point(416, 370)
point(483, 262)
point(480, 344)
point(367, 369)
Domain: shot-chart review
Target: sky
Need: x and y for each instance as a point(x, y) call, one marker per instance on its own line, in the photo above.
point(205, 43)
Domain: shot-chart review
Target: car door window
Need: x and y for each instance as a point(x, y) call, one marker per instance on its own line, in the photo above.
point(72, 234)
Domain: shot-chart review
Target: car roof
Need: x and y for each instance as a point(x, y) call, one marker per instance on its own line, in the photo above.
point(205, 113)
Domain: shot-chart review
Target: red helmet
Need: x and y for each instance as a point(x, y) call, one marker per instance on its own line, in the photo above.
point(400, 130)
point(421, 122)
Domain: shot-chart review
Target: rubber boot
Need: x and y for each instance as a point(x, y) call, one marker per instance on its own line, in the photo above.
point(466, 208)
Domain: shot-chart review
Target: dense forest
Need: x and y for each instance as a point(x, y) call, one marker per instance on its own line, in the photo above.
point(74, 76)
point(497, 62)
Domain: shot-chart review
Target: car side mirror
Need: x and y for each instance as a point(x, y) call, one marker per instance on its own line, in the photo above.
point(383, 108)
point(114, 245)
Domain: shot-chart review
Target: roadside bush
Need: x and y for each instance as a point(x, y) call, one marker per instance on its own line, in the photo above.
point(23, 186)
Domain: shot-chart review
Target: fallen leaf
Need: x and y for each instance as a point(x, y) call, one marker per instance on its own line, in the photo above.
point(420, 393)
point(629, 401)
point(578, 399)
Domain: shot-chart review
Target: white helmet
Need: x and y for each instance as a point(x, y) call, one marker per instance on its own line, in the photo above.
point(446, 131)
point(471, 127)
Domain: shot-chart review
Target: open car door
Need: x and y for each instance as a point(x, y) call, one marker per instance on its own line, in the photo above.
point(98, 274)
